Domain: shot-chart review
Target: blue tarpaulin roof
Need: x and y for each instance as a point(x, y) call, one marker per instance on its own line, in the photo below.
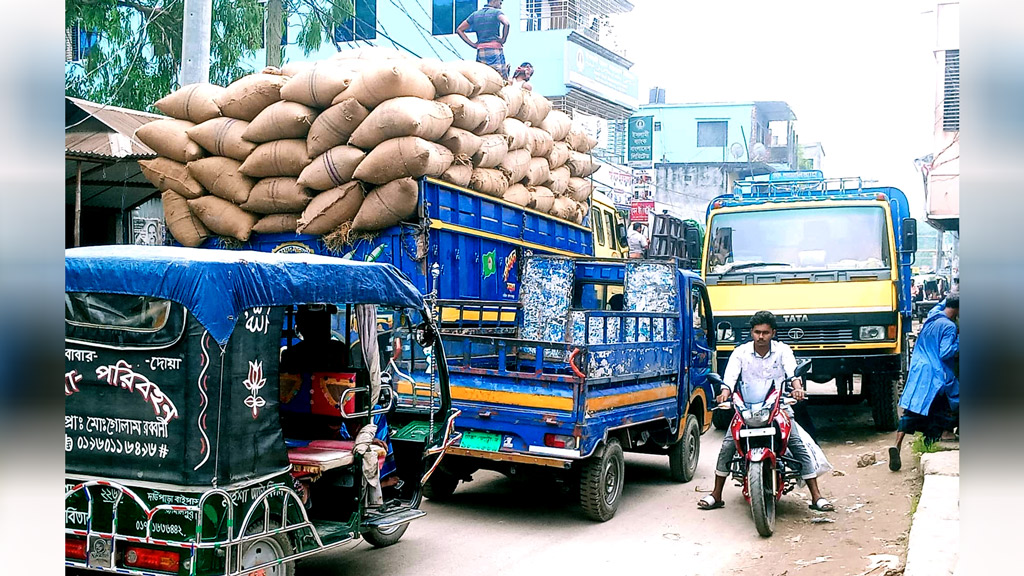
point(217, 285)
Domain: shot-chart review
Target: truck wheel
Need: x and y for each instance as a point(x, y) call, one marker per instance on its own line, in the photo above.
point(885, 402)
point(601, 482)
point(721, 419)
point(683, 455)
point(441, 485)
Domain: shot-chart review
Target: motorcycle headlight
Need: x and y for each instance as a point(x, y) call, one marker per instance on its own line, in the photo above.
point(759, 417)
point(872, 332)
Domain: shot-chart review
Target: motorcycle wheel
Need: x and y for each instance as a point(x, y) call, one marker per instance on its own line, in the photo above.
point(762, 497)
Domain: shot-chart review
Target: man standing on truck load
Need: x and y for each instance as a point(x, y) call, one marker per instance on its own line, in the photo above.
point(760, 363)
point(491, 27)
point(637, 241)
point(932, 394)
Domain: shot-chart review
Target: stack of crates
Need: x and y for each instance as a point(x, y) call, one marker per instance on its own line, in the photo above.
point(667, 239)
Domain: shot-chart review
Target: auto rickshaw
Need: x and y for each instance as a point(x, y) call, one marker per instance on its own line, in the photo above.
point(192, 448)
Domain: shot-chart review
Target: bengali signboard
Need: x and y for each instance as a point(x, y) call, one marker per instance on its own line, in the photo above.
point(597, 74)
point(640, 142)
point(640, 209)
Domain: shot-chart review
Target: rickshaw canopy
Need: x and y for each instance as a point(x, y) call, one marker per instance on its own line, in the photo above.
point(216, 286)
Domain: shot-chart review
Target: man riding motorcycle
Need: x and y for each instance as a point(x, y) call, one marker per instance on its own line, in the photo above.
point(760, 363)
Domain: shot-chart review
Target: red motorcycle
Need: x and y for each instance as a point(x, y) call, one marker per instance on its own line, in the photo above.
point(761, 432)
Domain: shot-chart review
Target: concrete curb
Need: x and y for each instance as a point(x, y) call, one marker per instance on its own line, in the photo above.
point(934, 545)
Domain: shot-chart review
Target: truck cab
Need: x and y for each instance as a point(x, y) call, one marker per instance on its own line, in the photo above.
point(608, 227)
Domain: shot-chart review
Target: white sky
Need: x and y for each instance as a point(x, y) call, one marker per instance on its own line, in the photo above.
point(860, 76)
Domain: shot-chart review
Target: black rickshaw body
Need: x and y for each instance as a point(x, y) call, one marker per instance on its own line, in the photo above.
point(189, 451)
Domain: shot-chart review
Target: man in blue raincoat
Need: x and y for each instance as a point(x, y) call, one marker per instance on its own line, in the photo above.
point(932, 392)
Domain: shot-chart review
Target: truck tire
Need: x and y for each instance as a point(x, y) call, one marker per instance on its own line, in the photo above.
point(601, 482)
point(683, 455)
point(885, 402)
point(441, 485)
point(721, 419)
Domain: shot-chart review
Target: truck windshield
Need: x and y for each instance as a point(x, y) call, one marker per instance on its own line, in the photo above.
point(803, 239)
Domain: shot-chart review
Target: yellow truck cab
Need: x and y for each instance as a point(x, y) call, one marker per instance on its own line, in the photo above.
point(831, 259)
point(608, 227)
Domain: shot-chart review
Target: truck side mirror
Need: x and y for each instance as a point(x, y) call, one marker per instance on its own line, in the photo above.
point(692, 242)
point(909, 235)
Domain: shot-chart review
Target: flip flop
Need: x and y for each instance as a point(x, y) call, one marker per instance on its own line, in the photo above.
point(822, 505)
point(894, 459)
point(709, 503)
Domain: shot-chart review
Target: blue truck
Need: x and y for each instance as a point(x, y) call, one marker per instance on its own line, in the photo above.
point(577, 384)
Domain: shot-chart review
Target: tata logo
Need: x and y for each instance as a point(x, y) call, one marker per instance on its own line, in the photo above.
point(794, 317)
point(796, 333)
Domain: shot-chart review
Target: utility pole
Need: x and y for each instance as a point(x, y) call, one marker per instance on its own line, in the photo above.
point(275, 22)
point(195, 41)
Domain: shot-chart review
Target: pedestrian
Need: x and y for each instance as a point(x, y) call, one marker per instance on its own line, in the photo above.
point(637, 241)
point(491, 27)
point(931, 397)
point(759, 364)
point(522, 76)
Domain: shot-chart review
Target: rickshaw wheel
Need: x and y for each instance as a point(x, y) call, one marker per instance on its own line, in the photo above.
point(267, 549)
point(381, 537)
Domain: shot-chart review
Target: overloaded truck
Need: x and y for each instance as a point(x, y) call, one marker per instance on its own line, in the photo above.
point(831, 258)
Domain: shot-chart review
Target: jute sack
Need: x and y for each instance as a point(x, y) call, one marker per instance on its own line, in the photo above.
point(276, 224)
point(318, 85)
point(192, 102)
point(541, 198)
point(541, 107)
point(517, 194)
point(281, 120)
point(581, 212)
point(489, 181)
point(293, 69)
point(331, 209)
point(528, 111)
point(537, 172)
point(166, 174)
point(386, 80)
point(222, 217)
point(249, 95)
point(460, 142)
point(581, 165)
point(563, 207)
point(517, 132)
point(493, 149)
point(558, 180)
point(277, 195)
point(223, 137)
point(277, 158)
point(485, 79)
point(579, 140)
point(167, 138)
point(466, 114)
point(406, 157)
point(459, 174)
point(558, 156)
point(450, 81)
point(183, 225)
point(403, 116)
point(221, 177)
point(387, 205)
point(334, 126)
point(496, 112)
point(332, 168)
point(557, 123)
point(541, 143)
point(513, 96)
point(431, 67)
point(579, 189)
point(515, 164)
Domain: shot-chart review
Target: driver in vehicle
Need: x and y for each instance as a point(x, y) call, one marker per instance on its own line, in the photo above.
point(758, 364)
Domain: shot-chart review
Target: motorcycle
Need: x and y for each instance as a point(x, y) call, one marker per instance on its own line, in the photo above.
point(761, 431)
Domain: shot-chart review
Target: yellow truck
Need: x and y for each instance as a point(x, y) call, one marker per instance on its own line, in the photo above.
point(831, 259)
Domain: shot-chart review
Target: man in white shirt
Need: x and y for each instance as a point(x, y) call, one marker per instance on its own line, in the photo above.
point(760, 363)
point(637, 241)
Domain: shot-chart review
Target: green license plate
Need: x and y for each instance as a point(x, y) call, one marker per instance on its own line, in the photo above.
point(481, 441)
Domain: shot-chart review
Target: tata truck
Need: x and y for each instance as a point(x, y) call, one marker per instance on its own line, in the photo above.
point(831, 258)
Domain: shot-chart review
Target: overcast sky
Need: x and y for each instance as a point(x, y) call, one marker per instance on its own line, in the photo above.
point(860, 76)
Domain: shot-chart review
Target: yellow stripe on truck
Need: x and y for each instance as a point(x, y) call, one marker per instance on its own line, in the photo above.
point(819, 297)
point(629, 398)
point(512, 398)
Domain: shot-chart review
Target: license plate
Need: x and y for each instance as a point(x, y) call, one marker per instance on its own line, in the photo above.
point(747, 432)
point(480, 441)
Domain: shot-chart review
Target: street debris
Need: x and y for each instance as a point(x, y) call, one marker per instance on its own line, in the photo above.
point(854, 508)
point(838, 472)
point(670, 536)
point(818, 560)
point(866, 460)
point(889, 562)
point(822, 520)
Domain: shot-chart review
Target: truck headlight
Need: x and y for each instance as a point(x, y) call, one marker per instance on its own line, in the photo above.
point(872, 332)
point(725, 332)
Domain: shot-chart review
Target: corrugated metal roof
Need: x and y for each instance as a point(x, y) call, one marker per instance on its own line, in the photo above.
point(108, 131)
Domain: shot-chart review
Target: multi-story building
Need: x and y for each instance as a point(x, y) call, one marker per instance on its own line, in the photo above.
point(812, 157)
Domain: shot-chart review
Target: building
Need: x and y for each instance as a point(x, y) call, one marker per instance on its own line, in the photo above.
point(700, 150)
point(812, 156)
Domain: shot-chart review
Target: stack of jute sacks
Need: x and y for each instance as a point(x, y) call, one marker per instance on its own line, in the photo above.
point(335, 146)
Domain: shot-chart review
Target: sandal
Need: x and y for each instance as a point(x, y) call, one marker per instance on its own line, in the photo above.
point(894, 459)
point(822, 505)
point(709, 503)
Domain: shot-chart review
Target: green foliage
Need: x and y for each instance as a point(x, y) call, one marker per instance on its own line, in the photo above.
point(923, 446)
point(138, 56)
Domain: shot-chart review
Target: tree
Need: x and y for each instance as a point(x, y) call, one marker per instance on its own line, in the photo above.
point(138, 56)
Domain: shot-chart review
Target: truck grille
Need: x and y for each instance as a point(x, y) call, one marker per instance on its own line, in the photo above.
point(809, 335)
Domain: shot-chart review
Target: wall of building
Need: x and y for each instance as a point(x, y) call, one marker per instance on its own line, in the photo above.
point(690, 187)
point(676, 141)
point(943, 191)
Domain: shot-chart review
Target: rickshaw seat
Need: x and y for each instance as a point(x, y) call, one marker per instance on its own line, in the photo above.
point(322, 455)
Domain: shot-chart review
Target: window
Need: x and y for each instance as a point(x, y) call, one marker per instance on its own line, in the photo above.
point(362, 25)
point(700, 322)
point(448, 14)
point(951, 93)
point(121, 320)
point(712, 134)
point(599, 228)
point(78, 42)
point(612, 231)
point(657, 126)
